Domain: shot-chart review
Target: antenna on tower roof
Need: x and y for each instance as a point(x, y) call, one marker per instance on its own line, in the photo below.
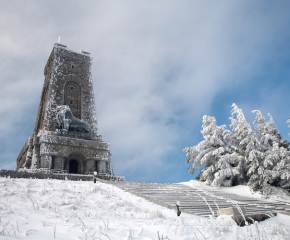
point(58, 40)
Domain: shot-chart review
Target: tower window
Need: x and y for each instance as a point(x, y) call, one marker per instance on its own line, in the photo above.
point(72, 66)
point(72, 98)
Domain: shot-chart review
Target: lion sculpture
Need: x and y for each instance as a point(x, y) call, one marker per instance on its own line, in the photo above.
point(68, 123)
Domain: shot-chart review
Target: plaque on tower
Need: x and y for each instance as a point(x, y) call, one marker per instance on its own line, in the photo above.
point(65, 136)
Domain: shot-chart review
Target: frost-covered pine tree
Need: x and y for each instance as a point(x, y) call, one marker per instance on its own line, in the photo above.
point(268, 132)
point(258, 156)
point(245, 141)
point(215, 154)
point(255, 155)
point(273, 168)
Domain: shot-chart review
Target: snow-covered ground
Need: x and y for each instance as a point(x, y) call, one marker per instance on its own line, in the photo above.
point(55, 209)
point(242, 190)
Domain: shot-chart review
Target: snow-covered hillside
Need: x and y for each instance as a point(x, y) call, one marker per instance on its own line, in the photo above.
point(55, 209)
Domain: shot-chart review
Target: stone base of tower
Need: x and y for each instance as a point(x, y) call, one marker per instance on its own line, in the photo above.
point(42, 174)
point(49, 150)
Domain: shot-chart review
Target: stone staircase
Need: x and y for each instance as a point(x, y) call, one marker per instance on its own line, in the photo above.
point(199, 201)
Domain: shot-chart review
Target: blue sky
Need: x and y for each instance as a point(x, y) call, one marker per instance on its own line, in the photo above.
point(158, 67)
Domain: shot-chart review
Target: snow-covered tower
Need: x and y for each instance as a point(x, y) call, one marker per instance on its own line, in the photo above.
point(66, 135)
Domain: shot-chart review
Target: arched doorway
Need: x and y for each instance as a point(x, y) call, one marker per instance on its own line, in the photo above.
point(73, 166)
point(74, 163)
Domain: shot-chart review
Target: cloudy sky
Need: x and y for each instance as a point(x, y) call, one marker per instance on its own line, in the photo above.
point(158, 67)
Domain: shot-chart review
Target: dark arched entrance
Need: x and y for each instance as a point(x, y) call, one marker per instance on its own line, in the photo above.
point(73, 166)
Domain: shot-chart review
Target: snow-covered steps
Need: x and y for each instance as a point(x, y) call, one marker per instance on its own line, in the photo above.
point(199, 201)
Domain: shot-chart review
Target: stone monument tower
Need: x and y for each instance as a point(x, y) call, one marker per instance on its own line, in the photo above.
point(65, 136)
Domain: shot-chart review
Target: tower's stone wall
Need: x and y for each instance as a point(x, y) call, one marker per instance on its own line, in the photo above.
point(69, 140)
point(64, 67)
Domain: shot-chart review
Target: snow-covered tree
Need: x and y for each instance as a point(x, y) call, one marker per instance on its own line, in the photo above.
point(215, 153)
point(276, 168)
point(245, 141)
point(257, 155)
point(268, 132)
point(273, 170)
point(270, 165)
point(281, 170)
point(244, 137)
